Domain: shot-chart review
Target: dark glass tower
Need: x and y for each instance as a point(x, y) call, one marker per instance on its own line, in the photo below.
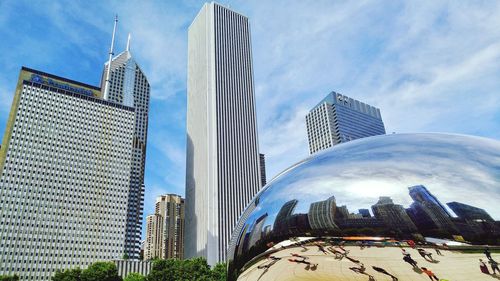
point(428, 213)
point(338, 118)
point(469, 212)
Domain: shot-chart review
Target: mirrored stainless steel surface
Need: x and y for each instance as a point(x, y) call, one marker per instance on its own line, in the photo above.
point(365, 202)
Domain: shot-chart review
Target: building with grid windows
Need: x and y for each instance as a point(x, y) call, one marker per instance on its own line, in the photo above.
point(154, 237)
point(65, 161)
point(222, 165)
point(262, 163)
point(130, 87)
point(165, 229)
point(338, 118)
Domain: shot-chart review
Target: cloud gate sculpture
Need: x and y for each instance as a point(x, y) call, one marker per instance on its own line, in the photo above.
point(393, 207)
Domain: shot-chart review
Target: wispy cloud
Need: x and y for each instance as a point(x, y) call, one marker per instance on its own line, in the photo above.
point(429, 67)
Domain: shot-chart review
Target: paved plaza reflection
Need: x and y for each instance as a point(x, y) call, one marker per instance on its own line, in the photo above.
point(411, 191)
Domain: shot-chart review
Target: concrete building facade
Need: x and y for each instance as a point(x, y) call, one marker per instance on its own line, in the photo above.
point(165, 229)
point(222, 173)
point(65, 161)
point(171, 208)
point(153, 244)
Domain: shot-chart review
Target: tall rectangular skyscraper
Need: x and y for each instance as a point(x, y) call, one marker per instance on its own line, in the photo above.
point(65, 161)
point(338, 118)
point(129, 86)
point(222, 173)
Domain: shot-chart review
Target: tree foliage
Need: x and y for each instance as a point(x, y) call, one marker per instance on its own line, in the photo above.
point(9, 277)
point(195, 269)
point(101, 271)
point(219, 271)
point(98, 271)
point(67, 275)
point(134, 277)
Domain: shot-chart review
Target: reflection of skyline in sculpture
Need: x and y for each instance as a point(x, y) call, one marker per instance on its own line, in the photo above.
point(430, 216)
point(426, 216)
point(321, 214)
point(468, 212)
point(419, 193)
point(288, 223)
point(257, 229)
point(365, 213)
point(285, 212)
point(393, 215)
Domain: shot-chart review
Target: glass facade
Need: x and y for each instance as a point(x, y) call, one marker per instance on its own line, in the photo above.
point(338, 119)
point(130, 87)
point(383, 207)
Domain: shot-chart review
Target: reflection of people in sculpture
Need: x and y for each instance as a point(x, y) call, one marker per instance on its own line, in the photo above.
point(411, 243)
point(301, 244)
point(437, 250)
point(268, 265)
point(425, 254)
point(363, 245)
point(494, 266)
point(361, 270)
point(429, 273)
point(299, 256)
point(487, 253)
point(351, 259)
point(338, 254)
point(483, 267)
point(407, 258)
point(321, 248)
point(309, 265)
point(383, 271)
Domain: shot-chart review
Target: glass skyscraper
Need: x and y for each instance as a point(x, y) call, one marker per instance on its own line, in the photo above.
point(129, 86)
point(65, 161)
point(338, 118)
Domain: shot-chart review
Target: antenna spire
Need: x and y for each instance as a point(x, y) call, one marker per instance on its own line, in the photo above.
point(108, 74)
point(128, 43)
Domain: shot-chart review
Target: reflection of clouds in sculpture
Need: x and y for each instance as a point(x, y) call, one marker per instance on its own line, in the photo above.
point(357, 173)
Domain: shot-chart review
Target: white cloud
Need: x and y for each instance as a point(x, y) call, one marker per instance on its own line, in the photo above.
point(429, 67)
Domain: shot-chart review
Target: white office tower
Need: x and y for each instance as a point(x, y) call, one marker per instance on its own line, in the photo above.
point(65, 162)
point(129, 86)
point(222, 173)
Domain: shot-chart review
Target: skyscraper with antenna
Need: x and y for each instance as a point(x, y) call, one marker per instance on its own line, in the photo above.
point(124, 82)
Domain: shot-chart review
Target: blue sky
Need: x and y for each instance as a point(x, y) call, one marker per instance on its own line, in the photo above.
point(430, 66)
